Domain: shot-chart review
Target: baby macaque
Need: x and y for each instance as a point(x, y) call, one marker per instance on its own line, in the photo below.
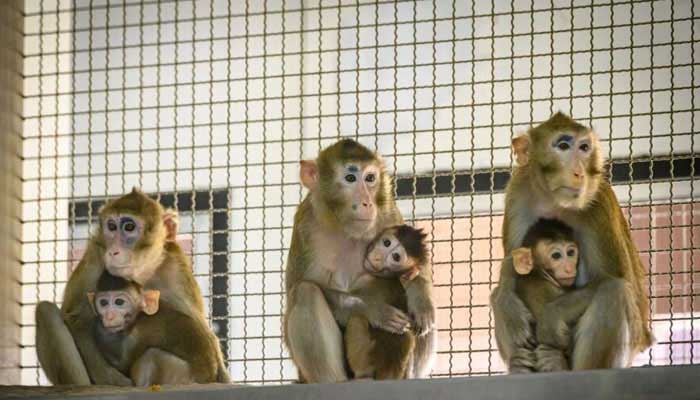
point(128, 335)
point(546, 265)
point(392, 260)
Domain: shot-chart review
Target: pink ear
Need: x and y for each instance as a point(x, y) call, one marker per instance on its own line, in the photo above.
point(522, 260)
point(171, 221)
point(521, 149)
point(309, 174)
point(150, 301)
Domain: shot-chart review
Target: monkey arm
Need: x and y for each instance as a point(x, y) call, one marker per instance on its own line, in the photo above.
point(419, 301)
point(512, 318)
point(370, 305)
point(557, 317)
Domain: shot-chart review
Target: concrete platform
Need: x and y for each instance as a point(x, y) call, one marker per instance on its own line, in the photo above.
point(677, 383)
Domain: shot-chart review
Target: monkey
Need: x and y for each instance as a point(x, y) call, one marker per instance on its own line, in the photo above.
point(350, 200)
point(393, 259)
point(559, 174)
point(135, 240)
point(127, 327)
point(546, 266)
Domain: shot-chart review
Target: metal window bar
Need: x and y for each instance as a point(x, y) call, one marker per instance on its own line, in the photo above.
point(210, 104)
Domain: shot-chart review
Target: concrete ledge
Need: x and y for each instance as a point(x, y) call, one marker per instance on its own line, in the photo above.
point(678, 383)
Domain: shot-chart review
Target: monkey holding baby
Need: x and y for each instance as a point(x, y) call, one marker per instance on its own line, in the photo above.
point(135, 240)
point(350, 202)
point(559, 175)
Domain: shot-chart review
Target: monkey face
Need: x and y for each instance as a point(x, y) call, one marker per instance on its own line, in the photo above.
point(387, 257)
point(117, 309)
point(357, 185)
point(573, 154)
point(564, 160)
point(560, 259)
point(122, 233)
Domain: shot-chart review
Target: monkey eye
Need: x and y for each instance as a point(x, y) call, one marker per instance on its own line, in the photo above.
point(119, 302)
point(396, 257)
point(350, 178)
point(387, 242)
point(104, 302)
point(129, 226)
point(571, 252)
point(370, 178)
point(111, 226)
point(584, 147)
point(556, 255)
point(563, 146)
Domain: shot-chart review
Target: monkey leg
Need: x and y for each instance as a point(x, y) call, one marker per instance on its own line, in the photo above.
point(423, 355)
point(56, 349)
point(602, 335)
point(359, 346)
point(157, 367)
point(314, 338)
point(391, 354)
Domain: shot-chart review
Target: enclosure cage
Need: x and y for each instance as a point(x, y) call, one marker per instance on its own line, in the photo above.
point(209, 105)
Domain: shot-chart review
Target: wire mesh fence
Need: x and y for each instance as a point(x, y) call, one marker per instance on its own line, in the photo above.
point(209, 105)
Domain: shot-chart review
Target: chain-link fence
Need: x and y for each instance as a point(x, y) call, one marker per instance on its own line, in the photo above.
point(211, 104)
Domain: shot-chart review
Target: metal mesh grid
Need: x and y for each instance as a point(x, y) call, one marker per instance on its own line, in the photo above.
point(211, 104)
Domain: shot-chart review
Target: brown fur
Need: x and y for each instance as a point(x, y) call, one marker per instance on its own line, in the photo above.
point(376, 353)
point(172, 276)
point(193, 342)
point(614, 327)
point(319, 357)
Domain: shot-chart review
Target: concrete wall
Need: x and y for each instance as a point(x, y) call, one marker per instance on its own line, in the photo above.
point(11, 30)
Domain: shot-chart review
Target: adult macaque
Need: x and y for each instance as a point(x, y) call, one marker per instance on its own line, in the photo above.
point(135, 240)
point(130, 323)
point(349, 202)
point(560, 175)
point(546, 265)
point(393, 259)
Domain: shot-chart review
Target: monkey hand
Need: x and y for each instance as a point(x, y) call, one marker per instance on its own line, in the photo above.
point(409, 275)
point(110, 376)
point(553, 331)
point(423, 312)
point(388, 318)
point(550, 359)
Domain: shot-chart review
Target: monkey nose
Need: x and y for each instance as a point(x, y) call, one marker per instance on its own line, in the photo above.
point(114, 253)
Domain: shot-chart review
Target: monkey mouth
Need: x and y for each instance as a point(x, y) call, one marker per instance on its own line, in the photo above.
point(567, 281)
point(570, 191)
point(118, 267)
point(114, 328)
point(373, 269)
point(369, 266)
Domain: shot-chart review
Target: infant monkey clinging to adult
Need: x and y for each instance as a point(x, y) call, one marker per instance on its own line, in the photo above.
point(393, 258)
point(546, 265)
point(130, 337)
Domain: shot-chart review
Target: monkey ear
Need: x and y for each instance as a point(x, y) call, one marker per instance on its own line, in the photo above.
point(521, 149)
point(150, 301)
point(91, 299)
point(171, 222)
point(522, 260)
point(309, 174)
